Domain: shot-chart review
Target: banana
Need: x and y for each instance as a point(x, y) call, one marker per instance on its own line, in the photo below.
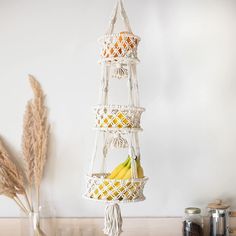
point(128, 174)
point(116, 171)
point(140, 172)
point(123, 172)
point(140, 169)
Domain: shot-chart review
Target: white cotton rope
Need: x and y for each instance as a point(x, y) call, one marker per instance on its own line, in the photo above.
point(124, 16)
point(113, 220)
point(94, 153)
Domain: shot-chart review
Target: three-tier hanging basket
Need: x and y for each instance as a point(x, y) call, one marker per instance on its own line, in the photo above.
point(117, 126)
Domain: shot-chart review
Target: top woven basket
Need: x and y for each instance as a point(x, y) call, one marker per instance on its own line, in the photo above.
point(120, 47)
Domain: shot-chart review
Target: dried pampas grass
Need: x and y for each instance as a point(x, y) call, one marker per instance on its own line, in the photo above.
point(35, 134)
point(34, 149)
point(10, 172)
point(40, 130)
point(11, 180)
point(27, 144)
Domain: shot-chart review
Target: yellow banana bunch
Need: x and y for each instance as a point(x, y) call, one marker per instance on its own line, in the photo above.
point(129, 175)
point(122, 171)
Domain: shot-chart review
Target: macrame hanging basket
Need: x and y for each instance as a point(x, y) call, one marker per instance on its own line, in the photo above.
point(114, 190)
point(120, 47)
point(117, 125)
point(115, 117)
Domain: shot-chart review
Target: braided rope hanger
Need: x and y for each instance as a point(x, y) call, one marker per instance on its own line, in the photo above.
point(119, 8)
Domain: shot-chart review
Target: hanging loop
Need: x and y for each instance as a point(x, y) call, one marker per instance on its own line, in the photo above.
point(119, 7)
point(113, 19)
point(124, 16)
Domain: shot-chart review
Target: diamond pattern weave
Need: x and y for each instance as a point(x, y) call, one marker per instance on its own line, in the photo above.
point(119, 46)
point(122, 117)
point(99, 188)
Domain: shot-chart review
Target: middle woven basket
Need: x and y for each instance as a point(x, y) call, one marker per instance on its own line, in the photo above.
point(116, 117)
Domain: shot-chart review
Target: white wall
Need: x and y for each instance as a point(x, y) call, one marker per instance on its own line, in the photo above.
point(187, 82)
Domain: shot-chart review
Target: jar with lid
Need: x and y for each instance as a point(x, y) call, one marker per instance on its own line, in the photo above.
point(219, 214)
point(192, 222)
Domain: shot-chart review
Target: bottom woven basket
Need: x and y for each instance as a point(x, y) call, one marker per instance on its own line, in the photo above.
point(113, 190)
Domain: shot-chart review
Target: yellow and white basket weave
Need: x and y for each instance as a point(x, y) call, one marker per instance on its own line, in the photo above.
point(118, 117)
point(120, 47)
point(113, 190)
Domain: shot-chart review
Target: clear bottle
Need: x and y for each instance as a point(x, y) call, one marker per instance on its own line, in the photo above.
point(192, 222)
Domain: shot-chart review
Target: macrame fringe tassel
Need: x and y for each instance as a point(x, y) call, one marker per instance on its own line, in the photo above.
point(120, 72)
point(119, 142)
point(113, 220)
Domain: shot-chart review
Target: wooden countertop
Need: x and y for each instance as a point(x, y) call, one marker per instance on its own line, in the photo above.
point(93, 226)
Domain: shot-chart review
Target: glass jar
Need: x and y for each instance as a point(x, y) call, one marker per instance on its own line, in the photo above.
point(192, 222)
point(219, 214)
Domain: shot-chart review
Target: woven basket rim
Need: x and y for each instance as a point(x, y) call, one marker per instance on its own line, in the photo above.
point(121, 107)
point(103, 37)
point(95, 176)
point(140, 199)
point(127, 130)
point(119, 59)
